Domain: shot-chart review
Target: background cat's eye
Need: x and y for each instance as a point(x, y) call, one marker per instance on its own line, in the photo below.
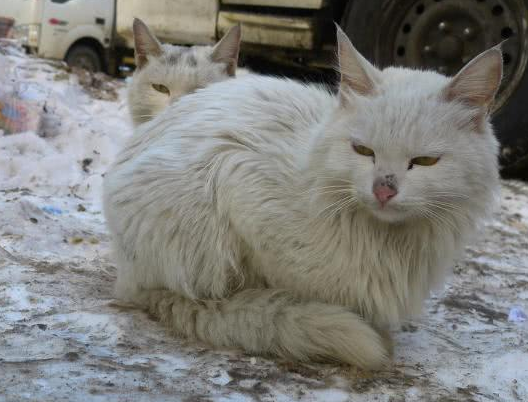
point(423, 161)
point(161, 88)
point(362, 150)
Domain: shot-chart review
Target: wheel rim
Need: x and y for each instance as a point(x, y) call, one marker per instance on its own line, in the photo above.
point(444, 35)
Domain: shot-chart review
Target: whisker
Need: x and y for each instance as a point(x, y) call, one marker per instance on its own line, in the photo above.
point(338, 179)
point(313, 189)
point(338, 206)
point(347, 204)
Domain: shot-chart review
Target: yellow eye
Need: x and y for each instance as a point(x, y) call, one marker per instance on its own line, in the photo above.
point(424, 161)
point(161, 88)
point(362, 150)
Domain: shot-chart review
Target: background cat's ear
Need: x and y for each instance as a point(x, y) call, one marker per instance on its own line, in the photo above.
point(356, 72)
point(477, 83)
point(226, 50)
point(145, 43)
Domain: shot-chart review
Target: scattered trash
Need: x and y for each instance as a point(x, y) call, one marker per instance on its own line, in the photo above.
point(517, 315)
point(85, 163)
point(79, 240)
point(33, 220)
point(18, 115)
point(6, 24)
point(76, 240)
point(72, 356)
point(61, 76)
point(98, 85)
point(52, 210)
point(81, 208)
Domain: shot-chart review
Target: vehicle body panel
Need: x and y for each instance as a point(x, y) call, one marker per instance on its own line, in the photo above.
point(50, 27)
point(270, 30)
point(78, 19)
point(172, 21)
point(308, 4)
point(22, 11)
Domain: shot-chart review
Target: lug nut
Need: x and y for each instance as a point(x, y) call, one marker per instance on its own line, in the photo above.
point(468, 32)
point(443, 26)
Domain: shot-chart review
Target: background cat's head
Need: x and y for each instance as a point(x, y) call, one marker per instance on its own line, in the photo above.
point(165, 72)
point(413, 143)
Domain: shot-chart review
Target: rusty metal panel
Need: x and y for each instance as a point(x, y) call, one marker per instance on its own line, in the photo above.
point(281, 31)
point(309, 4)
point(172, 21)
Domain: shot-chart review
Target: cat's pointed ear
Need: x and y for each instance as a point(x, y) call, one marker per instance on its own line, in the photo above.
point(357, 74)
point(226, 50)
point(478, 82)
point(145, 43)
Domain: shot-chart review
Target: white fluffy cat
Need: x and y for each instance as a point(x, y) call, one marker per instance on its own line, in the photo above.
point(166, 72)
point(277, 217)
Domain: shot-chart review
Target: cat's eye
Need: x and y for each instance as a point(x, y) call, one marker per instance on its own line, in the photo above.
point(161, 88)
point(423, 161)
point(363, 150)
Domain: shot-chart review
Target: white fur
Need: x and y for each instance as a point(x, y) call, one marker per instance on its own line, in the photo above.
point(242, 216)
point(181, 69)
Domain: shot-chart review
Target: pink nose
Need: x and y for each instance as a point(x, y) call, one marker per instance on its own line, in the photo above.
point(384, 193)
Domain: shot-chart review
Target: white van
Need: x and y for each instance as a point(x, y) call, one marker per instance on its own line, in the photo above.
point(78, 31)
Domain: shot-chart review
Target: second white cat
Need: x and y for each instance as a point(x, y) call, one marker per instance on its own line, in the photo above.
point(164, 72)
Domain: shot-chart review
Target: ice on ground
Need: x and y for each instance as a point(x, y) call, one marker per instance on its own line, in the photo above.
point(64, 337)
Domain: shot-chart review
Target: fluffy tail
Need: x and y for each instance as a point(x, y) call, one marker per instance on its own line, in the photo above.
point(272, 322)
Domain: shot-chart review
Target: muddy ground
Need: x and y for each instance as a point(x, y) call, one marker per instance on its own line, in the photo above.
point(64, 338)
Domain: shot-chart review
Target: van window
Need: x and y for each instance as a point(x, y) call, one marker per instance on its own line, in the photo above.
point(59, 1)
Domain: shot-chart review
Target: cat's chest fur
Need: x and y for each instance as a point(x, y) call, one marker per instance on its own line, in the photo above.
point(381, 271)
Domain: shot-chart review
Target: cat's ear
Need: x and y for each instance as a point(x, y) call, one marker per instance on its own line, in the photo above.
point(145, 43)
point(357, 74)
point(478, 82)
point(226, 50)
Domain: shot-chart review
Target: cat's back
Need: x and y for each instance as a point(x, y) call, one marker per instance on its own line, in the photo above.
point(268, 120)
point(253, 104)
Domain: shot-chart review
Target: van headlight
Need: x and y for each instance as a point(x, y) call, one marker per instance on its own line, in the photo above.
point(28, 34)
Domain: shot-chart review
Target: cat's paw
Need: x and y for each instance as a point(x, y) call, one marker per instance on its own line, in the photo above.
point(357, 343)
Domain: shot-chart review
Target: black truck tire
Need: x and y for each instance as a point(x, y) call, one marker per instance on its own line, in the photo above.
point(86, 57)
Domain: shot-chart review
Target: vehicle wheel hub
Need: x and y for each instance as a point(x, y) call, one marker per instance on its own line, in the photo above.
point(450, 49)
point(444, 35)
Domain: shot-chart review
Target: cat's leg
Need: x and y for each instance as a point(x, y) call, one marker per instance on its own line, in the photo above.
point(126, 283)
point(387, 340)
point(272, 322)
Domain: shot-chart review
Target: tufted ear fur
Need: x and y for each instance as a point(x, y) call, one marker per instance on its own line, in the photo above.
point(226, 50)
point(357, 74)
point(478, 82)
point(145, 43)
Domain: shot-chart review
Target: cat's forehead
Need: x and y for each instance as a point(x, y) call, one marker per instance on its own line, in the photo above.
point(189, 56)
point(410, 99)
point(409, 126)
point(410, 115)
point(411, 82)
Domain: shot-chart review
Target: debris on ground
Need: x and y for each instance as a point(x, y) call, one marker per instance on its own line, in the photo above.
point(517, 315)
point(99, 85)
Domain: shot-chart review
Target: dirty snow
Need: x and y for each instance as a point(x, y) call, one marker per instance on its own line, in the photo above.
point(64, 338)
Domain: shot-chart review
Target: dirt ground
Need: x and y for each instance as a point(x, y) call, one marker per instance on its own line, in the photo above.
point(64, 338)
